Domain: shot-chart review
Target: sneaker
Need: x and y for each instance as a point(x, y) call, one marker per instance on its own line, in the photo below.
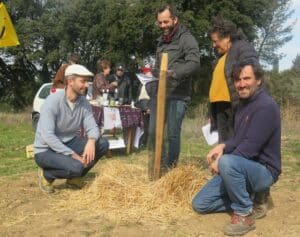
point(239, 225)
point(261, 204)
point(44, 184)
point(75, 183)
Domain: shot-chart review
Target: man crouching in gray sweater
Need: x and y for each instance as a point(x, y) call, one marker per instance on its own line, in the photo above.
point(59, 152)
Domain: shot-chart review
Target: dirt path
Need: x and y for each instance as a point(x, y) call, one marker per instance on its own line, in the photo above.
point(25, 211)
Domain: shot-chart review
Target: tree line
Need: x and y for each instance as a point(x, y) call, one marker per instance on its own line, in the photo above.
point(125, 31)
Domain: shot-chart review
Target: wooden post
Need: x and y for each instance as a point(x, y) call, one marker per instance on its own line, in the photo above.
point(129, 136)
point(160, 114)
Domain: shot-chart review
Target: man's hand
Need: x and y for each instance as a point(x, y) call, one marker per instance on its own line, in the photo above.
point(79, 158)
point(89, 151)
point(114, 83)
point(213, 157)
point(171, 74)
point(213, 167)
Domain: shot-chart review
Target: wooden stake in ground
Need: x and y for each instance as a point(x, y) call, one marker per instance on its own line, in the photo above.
point(160, 114)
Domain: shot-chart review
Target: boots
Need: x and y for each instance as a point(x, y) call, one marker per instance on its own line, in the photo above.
point(44, 185)
point(239, 225)
point(262, 202)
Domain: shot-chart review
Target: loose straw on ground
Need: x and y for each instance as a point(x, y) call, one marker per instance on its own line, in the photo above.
point(123, 191)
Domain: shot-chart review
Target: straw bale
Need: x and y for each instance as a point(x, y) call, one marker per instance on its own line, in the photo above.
point(124, 191)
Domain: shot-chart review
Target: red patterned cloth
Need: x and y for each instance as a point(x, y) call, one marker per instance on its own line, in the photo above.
point(98, 115)
point(130, 117)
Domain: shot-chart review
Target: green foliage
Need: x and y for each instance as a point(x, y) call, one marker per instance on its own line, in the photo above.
point(285, 86)
point(272, 34)
point(280, 86)
point(296, 65)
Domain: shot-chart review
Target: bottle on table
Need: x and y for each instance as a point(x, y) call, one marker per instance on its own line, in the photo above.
point(105, 97)
point(116, 97)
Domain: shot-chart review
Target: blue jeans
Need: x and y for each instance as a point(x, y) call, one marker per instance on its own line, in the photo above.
point(231, 188)
point(59, 166)
point(175, 111)
point(174, 117)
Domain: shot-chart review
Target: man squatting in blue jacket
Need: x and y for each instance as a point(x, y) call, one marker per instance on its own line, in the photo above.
point(59, 152)
point(248, 162)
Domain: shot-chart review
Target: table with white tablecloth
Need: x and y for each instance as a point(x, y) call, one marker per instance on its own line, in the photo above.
point(125, 117)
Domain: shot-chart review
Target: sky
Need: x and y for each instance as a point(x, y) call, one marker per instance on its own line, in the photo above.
point(292, 48)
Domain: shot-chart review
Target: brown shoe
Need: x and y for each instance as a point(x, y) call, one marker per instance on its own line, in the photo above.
point(239, 225)
point(44, 184)
point(261, 204)
point(75, 183)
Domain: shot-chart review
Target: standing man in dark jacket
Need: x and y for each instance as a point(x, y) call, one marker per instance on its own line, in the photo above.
point(248, 162)
point(124, 93)
point(183, 62)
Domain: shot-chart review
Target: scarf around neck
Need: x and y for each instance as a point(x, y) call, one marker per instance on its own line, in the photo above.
point(168, 38)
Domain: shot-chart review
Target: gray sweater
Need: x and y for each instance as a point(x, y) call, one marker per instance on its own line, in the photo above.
point(59, 124)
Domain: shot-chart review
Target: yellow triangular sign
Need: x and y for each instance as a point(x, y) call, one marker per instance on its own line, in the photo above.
point(8, 36)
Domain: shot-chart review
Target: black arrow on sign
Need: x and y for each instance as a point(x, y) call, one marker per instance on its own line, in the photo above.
point(2, 32)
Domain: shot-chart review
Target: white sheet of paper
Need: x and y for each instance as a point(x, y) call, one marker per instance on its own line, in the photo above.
point(138, 134)
point(210, 137)
point(116, 143)
point(145, 79)
point(112, 118)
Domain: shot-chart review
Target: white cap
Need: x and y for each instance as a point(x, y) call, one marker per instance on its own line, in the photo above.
point(76, 69)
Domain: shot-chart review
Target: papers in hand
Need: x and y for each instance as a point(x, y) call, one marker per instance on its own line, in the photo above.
point(210, 137)
point(145, 79)
point(138, 134)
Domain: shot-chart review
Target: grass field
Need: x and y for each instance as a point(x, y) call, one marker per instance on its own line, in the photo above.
point(120, 201)
point(16, 133)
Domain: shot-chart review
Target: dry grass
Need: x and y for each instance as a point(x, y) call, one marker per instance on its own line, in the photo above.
point(15, 118)
point(123, 191)
point(191, 127)
point(290, 116)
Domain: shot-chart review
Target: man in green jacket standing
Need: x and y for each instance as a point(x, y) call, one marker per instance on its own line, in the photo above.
point(183, 62)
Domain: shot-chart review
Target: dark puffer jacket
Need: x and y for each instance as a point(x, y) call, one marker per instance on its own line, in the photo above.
point(183, 60)
point(124, 89)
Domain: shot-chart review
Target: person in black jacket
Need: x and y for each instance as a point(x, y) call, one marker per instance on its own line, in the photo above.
point(183, 62)
point(124, 93)
point(230, 46)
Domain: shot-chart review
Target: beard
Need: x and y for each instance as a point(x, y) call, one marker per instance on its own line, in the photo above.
point(80, 92)
point(168, 30)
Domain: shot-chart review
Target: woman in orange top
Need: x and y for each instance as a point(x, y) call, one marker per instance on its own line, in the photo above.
point(228, 41)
